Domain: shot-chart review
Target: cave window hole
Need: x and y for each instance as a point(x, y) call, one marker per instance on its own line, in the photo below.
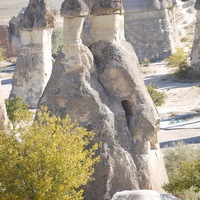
point(128, 106)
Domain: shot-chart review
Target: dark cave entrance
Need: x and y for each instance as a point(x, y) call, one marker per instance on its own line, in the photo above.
point(127, 106)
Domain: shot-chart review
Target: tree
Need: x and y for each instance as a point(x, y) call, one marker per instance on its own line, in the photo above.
point(50, 159)
point(157, 96)
point(17, 110)
point(57, 42)
point(183, 168)
point(188, 176)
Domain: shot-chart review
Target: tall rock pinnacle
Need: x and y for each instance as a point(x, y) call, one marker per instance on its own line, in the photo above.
point(34, 64)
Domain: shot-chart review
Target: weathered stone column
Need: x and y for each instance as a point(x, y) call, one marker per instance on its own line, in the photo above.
point(195, 54)
point(118, 72)
point(74, 89)
point(34, 64)
point(150, 28)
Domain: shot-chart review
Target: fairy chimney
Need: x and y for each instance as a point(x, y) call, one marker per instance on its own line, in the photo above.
point(150, 28)
point(108, 97)
point(195, 54)
point(34, 64)
point(118, 72)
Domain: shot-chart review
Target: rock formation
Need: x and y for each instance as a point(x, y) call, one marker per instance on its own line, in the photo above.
point(3, 114)
point(34, 64)
point(5, 40)
point(195, 54)
point(142, 195)
point(14, 27)
point(109, 98)
point(150, 28)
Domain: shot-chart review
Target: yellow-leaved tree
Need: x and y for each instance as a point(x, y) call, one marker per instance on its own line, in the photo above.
point(49, 159)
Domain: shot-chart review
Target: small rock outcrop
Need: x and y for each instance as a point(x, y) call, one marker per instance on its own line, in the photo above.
point(34, 64)
point(109, 97)
point(195, 54)
point(142, 195)
point(150, 28)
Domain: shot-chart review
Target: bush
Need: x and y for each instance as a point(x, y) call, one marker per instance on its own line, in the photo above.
point(57, 42)
point(157, 96)
point(17, 110)
point(183, 167)
point(179, 61)
point(49, 159)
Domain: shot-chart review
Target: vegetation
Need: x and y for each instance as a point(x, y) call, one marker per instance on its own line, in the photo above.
point(57, 42)
point(17, 110)
point(179, 60)
point(183, 168)
point(157, 96)
point(49, 159)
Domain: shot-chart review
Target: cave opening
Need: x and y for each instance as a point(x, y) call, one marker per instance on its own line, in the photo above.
point(127, 106)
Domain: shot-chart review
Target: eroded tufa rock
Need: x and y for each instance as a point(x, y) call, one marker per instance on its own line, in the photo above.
point(34, 63)
point(107, 7)
point(110, 98)
point(37, 15)
point(74, 8)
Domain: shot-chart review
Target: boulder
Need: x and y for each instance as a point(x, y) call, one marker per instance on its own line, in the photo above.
point(142, 195)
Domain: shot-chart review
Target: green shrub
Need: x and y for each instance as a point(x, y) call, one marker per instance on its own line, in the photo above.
point(186, 74)
point(57, 42)
point(183, 167)
point(179, 61)
point(157, 96)
point(17, 110)
point(49, 159)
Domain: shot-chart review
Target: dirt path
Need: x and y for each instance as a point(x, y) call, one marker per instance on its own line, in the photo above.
point(182, 99)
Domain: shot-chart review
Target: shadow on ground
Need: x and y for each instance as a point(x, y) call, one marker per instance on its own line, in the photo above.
point(193, 140)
